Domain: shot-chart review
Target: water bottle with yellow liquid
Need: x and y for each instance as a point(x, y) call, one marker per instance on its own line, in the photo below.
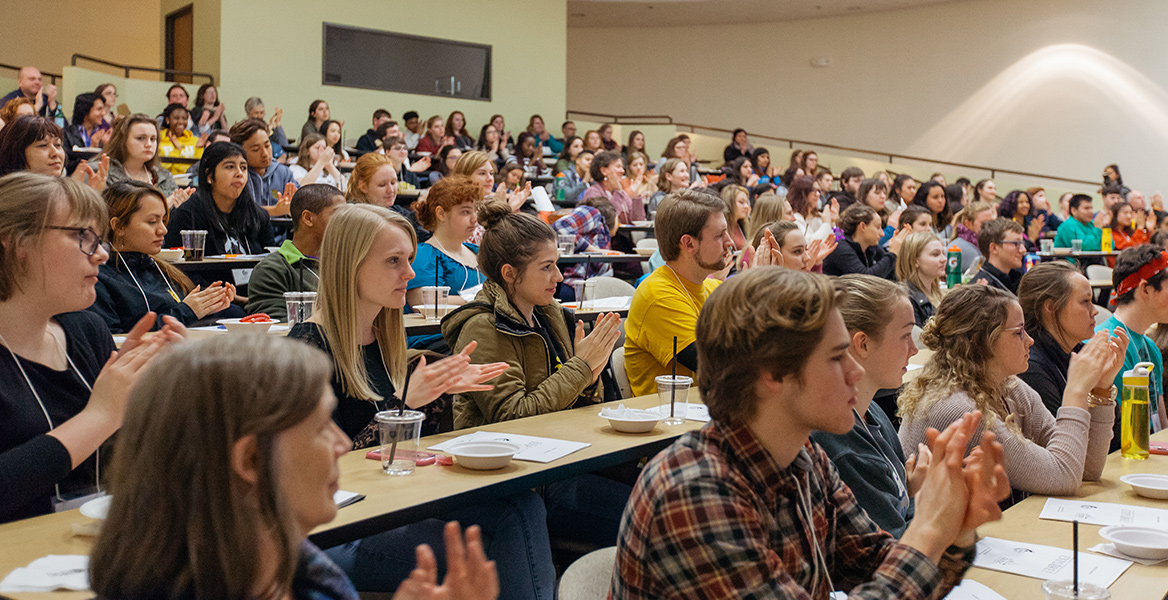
point(1136, 412)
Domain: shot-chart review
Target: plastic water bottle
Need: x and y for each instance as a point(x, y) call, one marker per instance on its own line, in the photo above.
point(1135, 413)
point(953, 267)
point(1105, 240)
point(1030, 260)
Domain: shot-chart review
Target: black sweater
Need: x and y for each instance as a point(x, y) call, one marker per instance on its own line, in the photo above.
point(30, 460)
point(848, 258)
point(119, 300)
point(237, 233)
point(1047, 370)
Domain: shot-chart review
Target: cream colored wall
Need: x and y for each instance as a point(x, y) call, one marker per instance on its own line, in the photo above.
point(139, 95)
point(272, 49)
point(1057, 88)
point(206, 33)
point(53, 31)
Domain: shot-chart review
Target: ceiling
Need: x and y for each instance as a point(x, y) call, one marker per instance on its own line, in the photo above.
point(659, 13)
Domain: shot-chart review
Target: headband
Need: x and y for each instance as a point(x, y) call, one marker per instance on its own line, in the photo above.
point(1145, 273)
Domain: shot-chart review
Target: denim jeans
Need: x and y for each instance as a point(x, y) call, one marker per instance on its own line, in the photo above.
point(515, 536)
point(586, 508)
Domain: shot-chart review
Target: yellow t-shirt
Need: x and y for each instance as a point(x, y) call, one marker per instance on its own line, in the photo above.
point(664, 305)
point(186, 148)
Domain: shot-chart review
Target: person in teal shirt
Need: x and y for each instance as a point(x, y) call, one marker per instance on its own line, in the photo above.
point(1141, 299)
point(1079, 226)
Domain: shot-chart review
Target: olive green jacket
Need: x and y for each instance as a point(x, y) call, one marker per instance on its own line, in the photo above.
point(532, 385)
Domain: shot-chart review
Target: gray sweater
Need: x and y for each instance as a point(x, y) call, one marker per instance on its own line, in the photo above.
point(1051, 456)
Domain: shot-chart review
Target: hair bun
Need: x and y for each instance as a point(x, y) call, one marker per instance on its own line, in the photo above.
point(930, 337)
point(491, 212)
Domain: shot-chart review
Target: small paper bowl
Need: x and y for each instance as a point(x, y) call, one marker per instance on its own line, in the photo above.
point(1148, 485)
point(633, 425)
point(235, 326)
point(97, 508)
point(484, 455)
point(645, 251)
point(1140, 542)
point(170, 254)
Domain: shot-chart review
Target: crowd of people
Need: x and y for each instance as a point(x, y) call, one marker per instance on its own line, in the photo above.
point(793, 297)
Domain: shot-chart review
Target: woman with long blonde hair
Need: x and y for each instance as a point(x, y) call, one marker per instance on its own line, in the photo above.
point(920, 265)
point(364, 272)
point(980, 345)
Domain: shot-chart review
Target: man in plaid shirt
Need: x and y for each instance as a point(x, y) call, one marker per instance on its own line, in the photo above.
point(593, 223)
point(748, 507)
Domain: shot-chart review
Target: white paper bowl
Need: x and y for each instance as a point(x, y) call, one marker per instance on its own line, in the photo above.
point(97, 508)
point(1140, 542)
point(640, 423)
point(484, 455)
point(645, 251)
point(1148, 485)
point(170, 254)
point(235, 326)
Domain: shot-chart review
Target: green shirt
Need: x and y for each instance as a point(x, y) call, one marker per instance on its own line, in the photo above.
point(1074, 229)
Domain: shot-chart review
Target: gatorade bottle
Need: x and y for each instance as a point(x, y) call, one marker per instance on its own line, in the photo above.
point(561, 185)
point(1105, 241)
point(953, 267)
point(1136, 413)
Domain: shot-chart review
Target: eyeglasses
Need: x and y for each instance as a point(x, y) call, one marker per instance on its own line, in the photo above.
point(1020, 330)
point(1014, 243)
point(88, 240)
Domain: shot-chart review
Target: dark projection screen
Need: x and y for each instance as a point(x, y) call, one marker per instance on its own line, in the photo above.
point(395, 62)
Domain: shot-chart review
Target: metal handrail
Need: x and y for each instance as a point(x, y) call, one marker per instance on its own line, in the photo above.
point(127, 68)
point(53, 77)
point(892, 156)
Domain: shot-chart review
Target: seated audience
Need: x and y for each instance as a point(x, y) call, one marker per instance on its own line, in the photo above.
point(85, 130)
point(593, 222)
point(860, 250)
point(175, 140)
point(254, 109)
point(567, 129)
point(1129, 227)
point(1001, 243)
point(1138, 279)
point(879, 319)
point(739, 147)
point(636, 144)
point(108, 92)
point(607, 172)
point(1057, 305)
point(797, 253)
point(270, 184)
point(223, 207)
point(931, 195)
point(536, 127)
point(315, 163)
point(803, 196)
point(760, 162)
point(295, 266)
point(318, 113)
point(967, 225)
point(491, 143)
point(16, 107)
point(768, 208)
point(374, 181)
point(578, 178)
point(456, 131)
point(980, 346)
point(957, 196)
point(388, 129)
point(177, 94)
point(30, 85)
point(33, 144)
point(850, 181)
point(693, 239)
point(134, 281)
point(920, 265)
point(413, 132)
point(529, 156)
point(500, 126)
point(331, 130)
point(751, 484)
point(1017, 207)
point(435, 137)
point(398, 154)
point(260, 407)
point(447, 157)
point(903, 190)
point(606, 142)
point(737, 200)
point(874, 193)
point(985, 191)
point(208, 113)
point(810, 163)
point(133, 155)
point(60, 392)
point(639, 183)
point(593, 142)
point(1112, 177)
point(739, 172)
point(918, 219)
point(369, 141)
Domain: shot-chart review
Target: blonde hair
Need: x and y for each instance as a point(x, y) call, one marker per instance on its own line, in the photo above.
point(961, 336)
point(768, 208)
point(968, 215)
point(363, 171)
point(868, 302)
point(347, 240)
point(120, 134)
point(470, 162)
point(27, 203)
point(906, 264)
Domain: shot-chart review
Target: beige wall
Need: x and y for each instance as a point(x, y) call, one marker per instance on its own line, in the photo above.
point(111, 30)
point(206, 30)
point(284, 68)
point(1058, 88)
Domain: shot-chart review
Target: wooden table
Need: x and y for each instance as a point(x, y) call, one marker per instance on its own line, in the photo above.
point(1067, 253)
point(215, 264)
point(570, 259)
point(393, 501)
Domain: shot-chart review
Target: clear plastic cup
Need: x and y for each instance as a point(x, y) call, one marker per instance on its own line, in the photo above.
point(1065, 590)
point(300, 306)
point(1076, 245)
point(401, 434)
point(193, 241)
point(1046, 246)
point(585, 290)
point(435, 302)
point(566, 243)
point(673, 391)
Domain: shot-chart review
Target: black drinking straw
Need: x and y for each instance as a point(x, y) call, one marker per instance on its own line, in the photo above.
point(1075, 558)
point(400, 408)
point(673, 381)
point(435, 287)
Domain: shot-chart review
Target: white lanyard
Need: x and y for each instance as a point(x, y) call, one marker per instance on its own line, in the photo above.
point(900, 487)
point(97, 471)
point(692, 300)
point(139, 286)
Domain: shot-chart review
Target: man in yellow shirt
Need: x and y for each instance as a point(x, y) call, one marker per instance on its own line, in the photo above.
point(693, 238)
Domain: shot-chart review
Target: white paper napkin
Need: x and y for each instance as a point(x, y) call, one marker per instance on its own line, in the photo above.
point(1110, 550)
point(51, 573)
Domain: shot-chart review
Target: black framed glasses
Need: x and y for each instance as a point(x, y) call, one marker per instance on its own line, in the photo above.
point(88, 240)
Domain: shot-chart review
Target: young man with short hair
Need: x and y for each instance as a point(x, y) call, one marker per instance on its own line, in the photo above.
point(368, 142)
point(747, 506)
point(413, 125)
point(266, 180)
point(568, 129)
point(1004, 249)
point(295, 266)
point(1079, 226)
point(850, 181)
point(1141, 300)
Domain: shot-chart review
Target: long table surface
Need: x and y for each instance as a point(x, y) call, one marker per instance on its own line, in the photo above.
point(393, 501)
